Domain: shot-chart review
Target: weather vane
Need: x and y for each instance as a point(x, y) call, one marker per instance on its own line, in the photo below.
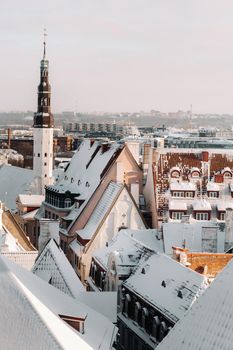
point(45, 34)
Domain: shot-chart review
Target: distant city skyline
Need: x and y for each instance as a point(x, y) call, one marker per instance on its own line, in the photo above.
point(119, 56)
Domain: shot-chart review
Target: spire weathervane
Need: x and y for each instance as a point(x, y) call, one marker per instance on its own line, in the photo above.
point(45, 34)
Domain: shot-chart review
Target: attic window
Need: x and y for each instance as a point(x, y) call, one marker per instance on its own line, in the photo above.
point(72, 180)
point(143, 271)
point(79, 182)
point(180, 294)
point(87, 184)
point(66, 177)
point(163, 284)
point(75, 322)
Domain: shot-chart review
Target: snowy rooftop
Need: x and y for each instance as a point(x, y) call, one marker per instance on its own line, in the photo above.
point(223, 205)
point(177, 205)
point(30, 214)
point(52, 265)
point(110, 194)
point(201, 205)
point(20, 177)
point(212, 186)
point(128, 246)
point(31, 200)
point(159, 280)
point(193, 236)
point(83, 173)
point(208, 325)
point(182, 186)
point(30, 310)
point(24, 259)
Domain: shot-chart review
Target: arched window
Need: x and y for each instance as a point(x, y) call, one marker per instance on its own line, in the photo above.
point(127, 305)
point(79, 182)
point(137, 312)
point(72, 180)
point(87, 184)
point(145, 315)
point(67, 202)
point(155, 327)
point(162, 331)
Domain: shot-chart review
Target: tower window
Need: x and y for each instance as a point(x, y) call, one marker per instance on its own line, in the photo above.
point(45, 175)
point(45, 154)
point(38, 155)
point(45, 164)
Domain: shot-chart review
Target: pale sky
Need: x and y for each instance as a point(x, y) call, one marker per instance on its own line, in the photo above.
point(119, 55)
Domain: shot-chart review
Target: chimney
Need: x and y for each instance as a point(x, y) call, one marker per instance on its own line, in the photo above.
point(9, 134)
point(228, 223)
point(105, 147)
point(48, 229)
point(1, 212)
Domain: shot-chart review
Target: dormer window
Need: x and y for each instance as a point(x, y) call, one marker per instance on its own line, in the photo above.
point(87, 184)
point(67, 202)
point(72, 180)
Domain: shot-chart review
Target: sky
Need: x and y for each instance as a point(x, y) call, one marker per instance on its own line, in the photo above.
point(119, 55)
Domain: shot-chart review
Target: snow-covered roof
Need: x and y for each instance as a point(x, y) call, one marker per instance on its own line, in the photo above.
point(30, 310)
point(83, 174)
point(182, 186)
point(175, 168)
point(226, 169)
point(193, 234)
point(212, 186)
point(208, 324)
point(105, 204)
point(177, 205)
point(147, 280)
point(201, 204)
point(129, 245)
point(24, 259)
point(52, 265)
point(14, 180)
point(30, 214)
point(195, 169)
point(223, 205)
point(31, 200)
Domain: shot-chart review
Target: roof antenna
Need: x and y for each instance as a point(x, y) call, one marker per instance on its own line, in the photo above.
point(44, 43)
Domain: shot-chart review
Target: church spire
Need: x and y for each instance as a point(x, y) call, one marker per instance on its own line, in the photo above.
point(44, 43)
point(43, 118)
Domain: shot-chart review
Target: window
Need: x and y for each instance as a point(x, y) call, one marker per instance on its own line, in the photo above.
point(178, 194)
point(137, 312)
point(45, 175)
point(202, 216)
point(177, 215)
point(213, 194)
point(189, 194)
point(222, 216)
point(127, 304)
point(72, 180)
point(38, 154)
point(87, 184)
point(45, 164)
point(145, 315)
point(67, 202)
point(45, 154)
point(155, 327)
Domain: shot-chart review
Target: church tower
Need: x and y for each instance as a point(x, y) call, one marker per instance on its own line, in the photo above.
point(43, 130)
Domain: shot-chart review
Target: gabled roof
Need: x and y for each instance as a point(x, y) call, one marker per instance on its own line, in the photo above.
point(30, 310)
point(30, 200)
point(129, 245)
point(20, 177)
point(166, 284)
point(103, 207)
point(208, 324)
point(52, 265)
